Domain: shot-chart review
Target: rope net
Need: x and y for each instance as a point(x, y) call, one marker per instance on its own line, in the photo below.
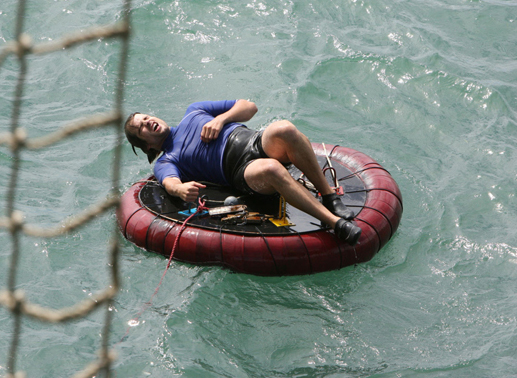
point(17, 140)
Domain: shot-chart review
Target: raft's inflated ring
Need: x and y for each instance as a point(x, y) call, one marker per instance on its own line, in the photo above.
point(150, 218)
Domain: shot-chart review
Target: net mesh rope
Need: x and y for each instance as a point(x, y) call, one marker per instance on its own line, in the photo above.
point(17, 140)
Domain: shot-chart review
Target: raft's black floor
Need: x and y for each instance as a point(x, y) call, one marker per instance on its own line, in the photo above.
point(154, 197)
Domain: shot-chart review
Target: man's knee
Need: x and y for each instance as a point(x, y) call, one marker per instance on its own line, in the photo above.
point(284, 130)
point(268, 170)
point(272, 168)
point(279, 139)
point(265, 175)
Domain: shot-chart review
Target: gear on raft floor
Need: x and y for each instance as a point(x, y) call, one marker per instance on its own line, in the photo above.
point(260, 237)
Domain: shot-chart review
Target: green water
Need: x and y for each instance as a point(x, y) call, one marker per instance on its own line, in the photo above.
point(427, 88)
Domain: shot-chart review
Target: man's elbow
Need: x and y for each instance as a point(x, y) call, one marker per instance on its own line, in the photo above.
point(251, 108)
point(254, 108)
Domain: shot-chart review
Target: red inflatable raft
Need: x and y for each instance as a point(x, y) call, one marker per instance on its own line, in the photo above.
point(152, 219)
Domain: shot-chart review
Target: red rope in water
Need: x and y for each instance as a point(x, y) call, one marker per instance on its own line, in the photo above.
point(148, 304)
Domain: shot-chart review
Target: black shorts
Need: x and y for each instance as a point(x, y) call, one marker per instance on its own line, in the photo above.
point(243, 147)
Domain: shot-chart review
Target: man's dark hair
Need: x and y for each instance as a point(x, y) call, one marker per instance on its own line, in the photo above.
point(137, 142)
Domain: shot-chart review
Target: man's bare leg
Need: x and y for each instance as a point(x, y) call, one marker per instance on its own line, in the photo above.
point(283, 141)
point(268, 176)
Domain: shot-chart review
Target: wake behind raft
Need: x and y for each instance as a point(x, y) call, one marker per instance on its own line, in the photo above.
point(261, 235)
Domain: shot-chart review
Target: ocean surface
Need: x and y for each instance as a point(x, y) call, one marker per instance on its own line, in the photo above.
point(426, 88)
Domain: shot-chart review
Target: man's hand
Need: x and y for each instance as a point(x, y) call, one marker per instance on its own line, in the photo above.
point(241, 111)
point(188, 191)
point(211, 130)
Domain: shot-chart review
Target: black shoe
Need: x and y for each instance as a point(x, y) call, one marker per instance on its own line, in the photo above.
point(333, 203)
point(347, 231)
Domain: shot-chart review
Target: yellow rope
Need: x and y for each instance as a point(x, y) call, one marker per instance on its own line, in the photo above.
point(17, 139)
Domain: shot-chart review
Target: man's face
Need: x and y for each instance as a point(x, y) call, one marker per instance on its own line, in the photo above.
point(150, 129)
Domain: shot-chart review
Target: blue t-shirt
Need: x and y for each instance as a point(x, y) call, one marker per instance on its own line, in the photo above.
point(186, 156)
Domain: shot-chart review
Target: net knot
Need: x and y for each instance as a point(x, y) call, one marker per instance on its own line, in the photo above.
point(16, 221)
point(24, 45)
point(18, 139)
point(13, 300)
